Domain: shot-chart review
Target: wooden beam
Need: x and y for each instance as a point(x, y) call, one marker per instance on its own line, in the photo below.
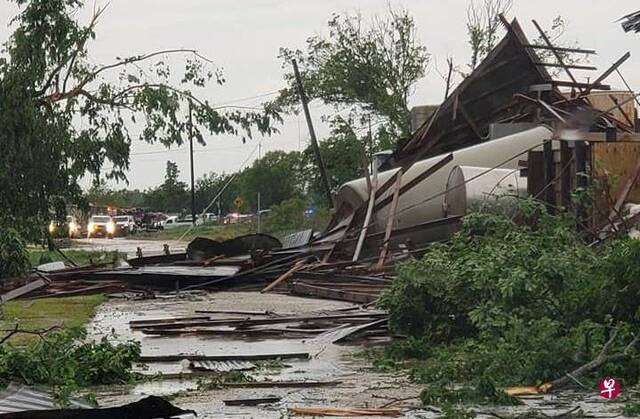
point(563, 83)
point(391, 220)
point(562, 49)
point(415, 181)
point(624, 114)
point(572, 66)
point(610, 70)
point(555, 52)
point(549, 176)
point(565, 175)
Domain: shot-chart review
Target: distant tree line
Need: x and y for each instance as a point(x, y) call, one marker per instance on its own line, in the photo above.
point(278, 176)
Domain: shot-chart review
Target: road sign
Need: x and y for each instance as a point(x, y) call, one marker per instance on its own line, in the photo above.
point(238, 202)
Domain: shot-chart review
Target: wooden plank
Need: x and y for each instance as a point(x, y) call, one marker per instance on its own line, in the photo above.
point(549, 176)
point(298, 266)
point(416, 181)
point(565, 176)
point(252, 402)
point(610, 70)
point(562, 49)
point(563, 83)
point(344, 411)
point(369, 213)
point(391, 220)
point(571, 66)
point(24, 290)
point(619, 160)
point(255, 322)
point(535, 173)
point(300, 288)
point(249, 357)
point(554, 51)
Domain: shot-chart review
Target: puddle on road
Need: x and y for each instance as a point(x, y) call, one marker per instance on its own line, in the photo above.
point(327, 362)
point(360, 385)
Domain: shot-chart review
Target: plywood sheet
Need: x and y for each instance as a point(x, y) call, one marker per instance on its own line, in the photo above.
point(617, 161)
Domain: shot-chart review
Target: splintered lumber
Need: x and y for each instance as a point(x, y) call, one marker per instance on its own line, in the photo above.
point(390, 220)
point(23, 290)
point(167, 320)
point(248, 357)
point(369, 213)
point(254, 322)
point(301, 288)
point(283, 384)
point(251, 402)
point(344, 411)
point(298, 266)
point(624, 192)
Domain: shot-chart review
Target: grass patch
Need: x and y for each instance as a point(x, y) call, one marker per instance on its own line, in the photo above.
point(80, 257)
point(71, 312)
point(214, 232)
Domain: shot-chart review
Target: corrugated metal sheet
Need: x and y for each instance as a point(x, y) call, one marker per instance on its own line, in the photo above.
point(18, 398)
point(297, 239)
point(222, 366)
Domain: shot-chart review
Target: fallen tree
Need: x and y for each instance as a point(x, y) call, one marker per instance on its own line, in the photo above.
point(510, 303)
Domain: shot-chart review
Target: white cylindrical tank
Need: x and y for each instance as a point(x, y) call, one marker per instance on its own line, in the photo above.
point(423, 203)
point(471, 187)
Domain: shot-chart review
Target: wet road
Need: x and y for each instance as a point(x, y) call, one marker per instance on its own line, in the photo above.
point(129, 246)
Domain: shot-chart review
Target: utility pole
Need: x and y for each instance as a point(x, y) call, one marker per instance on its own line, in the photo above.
point(312, 133)
point(193, 192)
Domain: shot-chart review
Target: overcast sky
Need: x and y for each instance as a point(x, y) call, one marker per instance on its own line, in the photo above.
point(244, 36)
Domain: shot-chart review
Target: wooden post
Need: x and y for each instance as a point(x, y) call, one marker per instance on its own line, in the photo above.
point(312, 134)
point(535, 173)
point(580, 157)
point(367, 218)
point(391, 219)
point(565, 177)
point(549, 175)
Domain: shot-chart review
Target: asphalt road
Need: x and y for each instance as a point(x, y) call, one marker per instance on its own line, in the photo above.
point(129, 246)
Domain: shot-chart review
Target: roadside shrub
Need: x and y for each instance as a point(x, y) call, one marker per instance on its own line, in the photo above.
point(14, 258)
point(63, 361)
point(511, 303)
point(289, 216)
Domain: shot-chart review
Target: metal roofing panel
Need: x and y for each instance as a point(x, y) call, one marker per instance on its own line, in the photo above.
point(297, 239)
point(222, 366)
point(18, 398)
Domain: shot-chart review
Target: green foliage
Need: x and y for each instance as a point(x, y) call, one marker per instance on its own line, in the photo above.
point(288, 216)
point(275, 176)
point(63, 361)
point(61, 118)
point(14, 258)
point(373, 65)
point(341, 153)
point(221, 379)
point(506, 303)
point(631, 409)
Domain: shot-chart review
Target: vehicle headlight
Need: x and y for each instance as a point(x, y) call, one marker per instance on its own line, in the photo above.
point(52, 227)
point(91, 227)
point(111, 228)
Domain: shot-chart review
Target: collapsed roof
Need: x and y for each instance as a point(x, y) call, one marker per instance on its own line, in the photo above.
point(500, 90)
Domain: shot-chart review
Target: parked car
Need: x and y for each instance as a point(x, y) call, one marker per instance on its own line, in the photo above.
point(125, 225)
point(175, 221)
point(101, 225)
point(70, 228)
